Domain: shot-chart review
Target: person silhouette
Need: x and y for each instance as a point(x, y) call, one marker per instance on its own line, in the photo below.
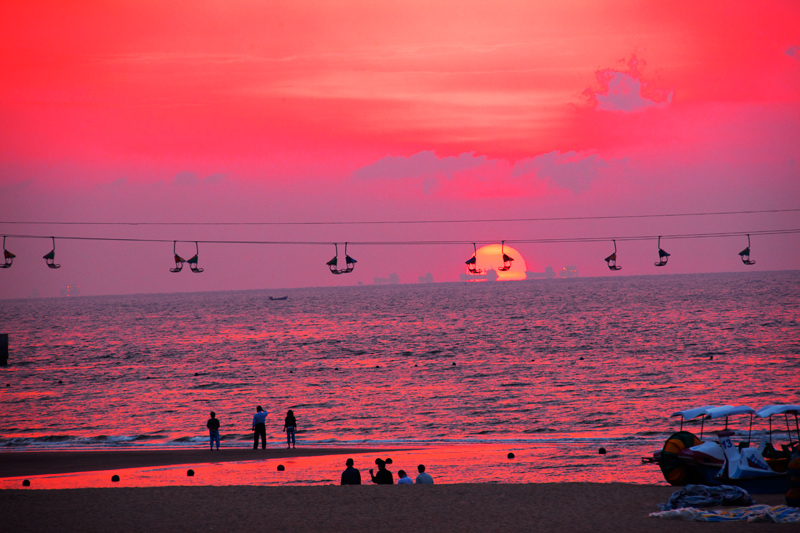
point(213, 430)
point(290, 427)
point(260, 428)
point(384, 477)
point(351, 476)
point(423, 478)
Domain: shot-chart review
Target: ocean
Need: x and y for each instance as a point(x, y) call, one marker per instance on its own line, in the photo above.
point(557, 368)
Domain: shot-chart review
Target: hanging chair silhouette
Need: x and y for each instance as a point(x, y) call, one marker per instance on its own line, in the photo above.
point(506, 259)
point(179, 261)
point(662, 255)
point(193, 261)
point(50, 257)
point(745, 254)
point(8, 256)
point(612, 259)
point(472, 262)
point(333, 264)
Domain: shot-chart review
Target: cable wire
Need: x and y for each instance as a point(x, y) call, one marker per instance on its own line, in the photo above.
point(388, 222)
point(429, 242)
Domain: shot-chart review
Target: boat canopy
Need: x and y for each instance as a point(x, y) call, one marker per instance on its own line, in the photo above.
point(688, 414)
point(729, 410)
point(770, 410)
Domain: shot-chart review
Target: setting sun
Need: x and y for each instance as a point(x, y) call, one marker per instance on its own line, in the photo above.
point(489, 264)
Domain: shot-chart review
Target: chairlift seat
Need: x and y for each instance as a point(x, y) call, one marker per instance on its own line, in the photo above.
point(179, 261)
point(9, 258)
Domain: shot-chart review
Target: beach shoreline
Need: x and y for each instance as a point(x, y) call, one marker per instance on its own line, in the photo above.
point(36, 462)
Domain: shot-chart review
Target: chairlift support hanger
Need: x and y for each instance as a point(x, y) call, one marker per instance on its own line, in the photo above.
point(179, 261)
point(506, 259)
point(611, 260)
point(745, 254)
point(333, 264)
point(8, 257)
point(50, 257)
point(472, 262)
point(662, 255)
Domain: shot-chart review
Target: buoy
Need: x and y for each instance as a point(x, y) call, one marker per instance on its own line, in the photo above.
point(60, 382)
point(581, 358)
point(291, 371)
point(190, 472)
point(281, 468)
point(114, 478)
point(710, 357)
point(26, 482)
point(601, 451)
point(454, 364)
point(511, 455)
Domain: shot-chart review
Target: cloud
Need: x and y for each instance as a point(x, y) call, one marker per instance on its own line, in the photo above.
point(571, 170)
point(423, 165)
point(192, 179)
point(625, 91)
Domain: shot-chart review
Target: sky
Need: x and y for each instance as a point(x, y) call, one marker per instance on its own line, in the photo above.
point(241, 122)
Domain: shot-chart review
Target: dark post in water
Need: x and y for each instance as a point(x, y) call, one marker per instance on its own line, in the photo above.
point(3, 349)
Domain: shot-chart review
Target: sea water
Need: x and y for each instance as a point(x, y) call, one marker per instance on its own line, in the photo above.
point(556, 367)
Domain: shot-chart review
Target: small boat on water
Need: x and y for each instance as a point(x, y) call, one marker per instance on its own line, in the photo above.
point(278, 298)
point(686, 458)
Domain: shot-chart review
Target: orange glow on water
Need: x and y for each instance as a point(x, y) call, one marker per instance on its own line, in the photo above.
point(490, 258)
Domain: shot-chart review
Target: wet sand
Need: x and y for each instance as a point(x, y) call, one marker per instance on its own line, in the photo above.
point(32, 463)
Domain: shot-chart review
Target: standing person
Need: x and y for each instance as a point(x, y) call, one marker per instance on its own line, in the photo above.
point(290, 427)
point(424, 478)
point(260, 428)
point(351, 476)
point(384, 477)
point(213, 430)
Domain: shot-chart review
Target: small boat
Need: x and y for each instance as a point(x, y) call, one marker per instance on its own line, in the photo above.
point(275, 299)
point(685, 458)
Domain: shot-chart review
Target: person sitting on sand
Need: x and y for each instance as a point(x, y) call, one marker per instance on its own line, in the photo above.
point(403, 479)
point(213, 429)
point(384, 477)
point(351, 476)
point(260, 428)
point(424, 478)
point(290, 426)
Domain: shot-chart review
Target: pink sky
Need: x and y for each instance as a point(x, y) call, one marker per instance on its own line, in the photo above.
point(246, 111)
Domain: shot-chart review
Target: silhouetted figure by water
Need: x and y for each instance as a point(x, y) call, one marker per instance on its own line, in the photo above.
point(260, 428)
point(384, 477)
point(290, 427)
point(423, 478)
point(213, 430)
point(403, 479)
point(351, 476)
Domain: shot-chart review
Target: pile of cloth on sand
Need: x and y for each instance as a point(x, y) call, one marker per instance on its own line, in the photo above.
point(685, 504)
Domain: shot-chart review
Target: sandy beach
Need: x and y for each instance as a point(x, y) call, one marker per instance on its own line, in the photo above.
point(444, 507)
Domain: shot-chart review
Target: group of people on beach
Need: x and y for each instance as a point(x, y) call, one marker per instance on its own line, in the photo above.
point(259, 429)
point(351, 475)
